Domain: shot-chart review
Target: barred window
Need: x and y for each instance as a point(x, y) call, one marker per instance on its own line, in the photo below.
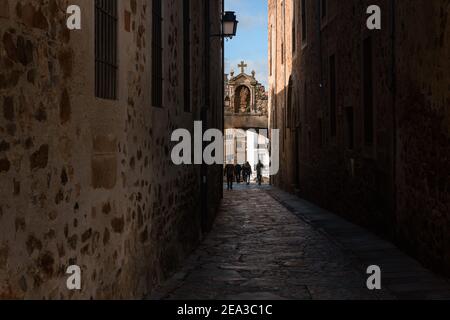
point(157, 52)
point(106, 49)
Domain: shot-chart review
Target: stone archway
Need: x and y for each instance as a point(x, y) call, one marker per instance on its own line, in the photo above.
point(242, 99)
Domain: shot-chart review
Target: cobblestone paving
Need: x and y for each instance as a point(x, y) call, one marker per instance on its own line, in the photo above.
point(259, 249)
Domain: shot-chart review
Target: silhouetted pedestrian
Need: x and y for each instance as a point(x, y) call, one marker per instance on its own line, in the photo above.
point(229, 173)
point(247, 172)
point(237, 172)
point(259, 168)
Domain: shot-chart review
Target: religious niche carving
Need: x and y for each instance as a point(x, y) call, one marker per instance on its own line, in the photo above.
point(242, 103)
point(244, 95)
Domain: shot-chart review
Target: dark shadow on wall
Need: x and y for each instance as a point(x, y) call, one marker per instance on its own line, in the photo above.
point(392, 178)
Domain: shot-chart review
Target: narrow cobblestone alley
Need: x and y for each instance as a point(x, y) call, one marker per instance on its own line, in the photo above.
point(259, 249)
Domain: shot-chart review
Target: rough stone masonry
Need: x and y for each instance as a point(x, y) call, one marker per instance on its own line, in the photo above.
point(369, 129)
point(89, 181)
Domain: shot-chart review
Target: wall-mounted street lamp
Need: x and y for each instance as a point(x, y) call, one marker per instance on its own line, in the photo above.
point(229, 25)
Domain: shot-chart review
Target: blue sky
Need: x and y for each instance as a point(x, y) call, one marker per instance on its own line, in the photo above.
point(250, 44)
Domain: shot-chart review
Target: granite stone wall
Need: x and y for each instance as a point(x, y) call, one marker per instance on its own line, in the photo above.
point(88, 181)
point(398, 186)
point(423, 130)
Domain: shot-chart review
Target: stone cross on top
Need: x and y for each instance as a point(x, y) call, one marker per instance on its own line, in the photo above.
point(242, 66)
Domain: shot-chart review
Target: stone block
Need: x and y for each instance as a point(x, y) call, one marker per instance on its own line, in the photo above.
point(104, 171)
point(105, 144)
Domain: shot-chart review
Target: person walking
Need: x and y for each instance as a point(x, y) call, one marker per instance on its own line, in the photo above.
point(248, 172)
point(238, 172)
point(259, 168)
point(229, 173)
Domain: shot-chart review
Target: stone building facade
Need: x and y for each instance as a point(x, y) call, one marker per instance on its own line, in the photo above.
point(246, 119)
point(246, 100)
point(244, 93)
point(364, 115)
point(89, 181)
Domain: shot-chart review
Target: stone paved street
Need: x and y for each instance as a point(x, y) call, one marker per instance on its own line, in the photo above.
point(260, 249)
